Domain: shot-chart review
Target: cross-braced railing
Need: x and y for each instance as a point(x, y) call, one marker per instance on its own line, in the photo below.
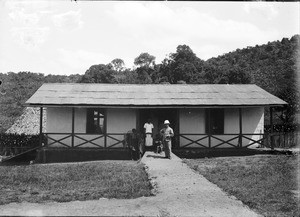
point(233, 140)
point(185, 140)
point(76, 140)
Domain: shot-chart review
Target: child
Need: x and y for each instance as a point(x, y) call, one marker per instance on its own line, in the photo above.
point(158, 144)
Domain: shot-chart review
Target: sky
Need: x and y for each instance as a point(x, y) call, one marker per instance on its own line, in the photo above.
point(64, 37)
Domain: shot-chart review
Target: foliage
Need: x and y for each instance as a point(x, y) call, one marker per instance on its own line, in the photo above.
point(18, 88)
point(99, 74)
point(71, 182)
point(272, 66)
point(144, 60)
point(183, 65)
point(266, 183)
point(8, 143)
point(117, 64)
point(127, 77)
point(144, 75)
point(282, 128)
point(15, 140)
point(62, 78)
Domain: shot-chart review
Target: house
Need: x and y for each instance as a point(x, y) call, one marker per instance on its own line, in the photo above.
point(206, 116)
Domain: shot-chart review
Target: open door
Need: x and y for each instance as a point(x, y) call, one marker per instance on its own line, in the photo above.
point(158, 116)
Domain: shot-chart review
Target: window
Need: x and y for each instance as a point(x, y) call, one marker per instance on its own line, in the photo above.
point(95, 121)
point(214, 121)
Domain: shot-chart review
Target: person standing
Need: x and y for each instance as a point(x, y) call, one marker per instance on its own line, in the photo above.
point(167, 132)
point(148, 126)
point(132, 141)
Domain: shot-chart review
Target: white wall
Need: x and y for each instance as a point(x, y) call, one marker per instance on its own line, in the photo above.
point(119, 121)
point(59, 120)
point(193, 121)
point(253, 122)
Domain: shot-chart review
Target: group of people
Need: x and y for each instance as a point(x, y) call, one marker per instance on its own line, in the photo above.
point(165, 136)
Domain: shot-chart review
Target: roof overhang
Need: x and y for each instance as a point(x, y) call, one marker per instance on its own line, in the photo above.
point(149, 106)
point(152, 96)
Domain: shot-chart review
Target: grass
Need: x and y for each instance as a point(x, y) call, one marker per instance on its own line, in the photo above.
point(76, 181)
point(266, 183)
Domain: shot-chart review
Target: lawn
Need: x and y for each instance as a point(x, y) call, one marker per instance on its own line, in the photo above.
point(75, 181)
point(266, 183)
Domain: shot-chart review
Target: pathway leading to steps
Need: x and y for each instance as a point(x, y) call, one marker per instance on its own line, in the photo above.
point(179, 192)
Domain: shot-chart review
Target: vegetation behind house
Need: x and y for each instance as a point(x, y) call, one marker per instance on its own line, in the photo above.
point(272, 66)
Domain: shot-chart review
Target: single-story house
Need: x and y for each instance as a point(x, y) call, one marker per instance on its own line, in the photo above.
point(206, 116)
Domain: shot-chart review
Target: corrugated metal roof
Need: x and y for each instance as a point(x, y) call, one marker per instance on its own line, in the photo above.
point(151, 95)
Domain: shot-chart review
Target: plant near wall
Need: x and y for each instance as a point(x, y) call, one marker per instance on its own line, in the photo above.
point(11, 144)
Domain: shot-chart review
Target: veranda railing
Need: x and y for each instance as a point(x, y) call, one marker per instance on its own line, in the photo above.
point(198, 140)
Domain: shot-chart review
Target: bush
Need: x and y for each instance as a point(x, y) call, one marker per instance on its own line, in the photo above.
point(10, 143)
point(282, 128)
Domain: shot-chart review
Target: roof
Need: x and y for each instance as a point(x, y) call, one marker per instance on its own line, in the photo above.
point(151, 95)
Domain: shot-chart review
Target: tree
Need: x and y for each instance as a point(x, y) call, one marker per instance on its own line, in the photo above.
point(184, 54)
point(238, 76)
point(184, 71)
point(127, 76)
point(183, 65)
point(144, 60)
point(272, 66)
point(143, 75)
point(99, 74)
point(117, 64)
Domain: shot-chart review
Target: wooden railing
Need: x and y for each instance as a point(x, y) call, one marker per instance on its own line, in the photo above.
point(274, 140)
point(205, 140)
point(270, 140)
point(81, 136)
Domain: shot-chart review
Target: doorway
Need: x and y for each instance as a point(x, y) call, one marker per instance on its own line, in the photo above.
point(158, 116)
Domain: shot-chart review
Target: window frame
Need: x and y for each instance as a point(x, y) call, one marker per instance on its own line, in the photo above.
point(216, 118)
point(91, 128)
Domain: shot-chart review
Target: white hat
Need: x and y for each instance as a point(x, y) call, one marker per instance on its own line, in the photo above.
point(166, 122)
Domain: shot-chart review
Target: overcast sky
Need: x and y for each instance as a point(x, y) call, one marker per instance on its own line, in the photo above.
point(64, 37)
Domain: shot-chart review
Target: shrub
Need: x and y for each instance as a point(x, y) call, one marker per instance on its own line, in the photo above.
point(9, 143)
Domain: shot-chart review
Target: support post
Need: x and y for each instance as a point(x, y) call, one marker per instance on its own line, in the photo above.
point(209, 128)
point(105, 128)
point(178, 129)
point(271, 125)
point(241, 128)
point(73, 125)
point(41, 126)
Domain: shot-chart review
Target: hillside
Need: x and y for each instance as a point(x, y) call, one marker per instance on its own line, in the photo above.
point(16, 88)
point(273, 66)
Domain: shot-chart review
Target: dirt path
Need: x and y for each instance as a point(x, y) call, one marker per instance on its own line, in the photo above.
point(179, 192)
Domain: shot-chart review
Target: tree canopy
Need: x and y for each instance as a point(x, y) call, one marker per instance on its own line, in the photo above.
point(117, 64)
point(144, 60)
point(99, 74)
